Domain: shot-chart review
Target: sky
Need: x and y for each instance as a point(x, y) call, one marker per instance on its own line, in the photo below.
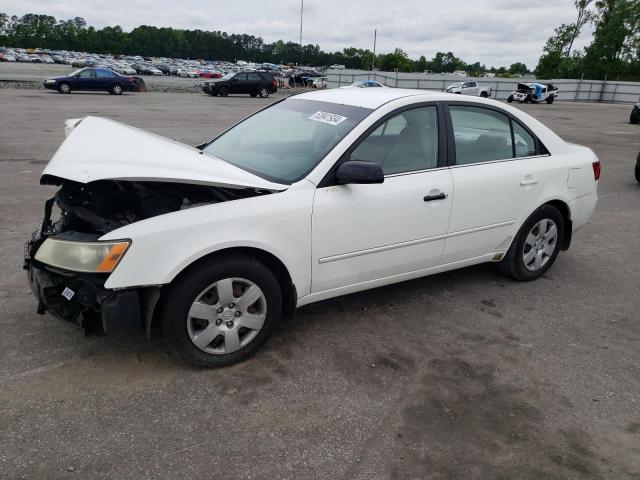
point(496, 33)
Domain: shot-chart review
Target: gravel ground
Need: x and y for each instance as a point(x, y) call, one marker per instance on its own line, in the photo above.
point(462, 375)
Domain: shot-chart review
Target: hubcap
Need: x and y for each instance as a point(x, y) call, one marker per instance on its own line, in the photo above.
point(540, 244)
point(226, 316)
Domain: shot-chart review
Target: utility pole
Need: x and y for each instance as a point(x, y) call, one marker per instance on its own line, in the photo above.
point(301, 10)
point(375, 37)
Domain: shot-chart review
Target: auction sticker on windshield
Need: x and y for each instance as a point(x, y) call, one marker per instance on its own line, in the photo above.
point(325, 117)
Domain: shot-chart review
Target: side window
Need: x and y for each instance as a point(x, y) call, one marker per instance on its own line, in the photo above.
point(241, 77)
point(472, 84)
point(524, 142)
point(406, 142)
point(102, 73)
point(481, 135)
point(253, 77)
point(87, 74)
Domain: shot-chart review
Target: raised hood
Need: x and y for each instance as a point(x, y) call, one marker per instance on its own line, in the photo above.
point(102, 149)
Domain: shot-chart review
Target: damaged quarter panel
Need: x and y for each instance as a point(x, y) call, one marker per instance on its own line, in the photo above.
point(267, 222)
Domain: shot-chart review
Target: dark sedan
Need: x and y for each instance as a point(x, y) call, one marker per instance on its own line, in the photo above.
point(94, 79)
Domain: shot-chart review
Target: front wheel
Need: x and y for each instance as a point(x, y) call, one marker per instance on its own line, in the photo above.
point(64, 87)
point(223, 91)
point(221, 311)
point(263, 92)
point(638, 169)
point(550, 99)
point(536, 245)
point(510, 98)
point(116, 89)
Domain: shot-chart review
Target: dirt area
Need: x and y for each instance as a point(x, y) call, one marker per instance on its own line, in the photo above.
point(462, 375)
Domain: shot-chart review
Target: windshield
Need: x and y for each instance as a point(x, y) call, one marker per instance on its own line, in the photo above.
point(73, 74)
point(284, 142)
point(228, 76)
point(455, 85)
point(359, 83)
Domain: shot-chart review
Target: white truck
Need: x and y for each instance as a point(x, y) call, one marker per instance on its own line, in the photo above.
point(469, 88)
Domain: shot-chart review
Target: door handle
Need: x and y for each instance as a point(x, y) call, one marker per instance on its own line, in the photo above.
point(528, 181)
point(437, 196)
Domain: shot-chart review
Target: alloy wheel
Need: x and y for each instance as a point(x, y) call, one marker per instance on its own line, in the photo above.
point(226, 316)
point(540, 244)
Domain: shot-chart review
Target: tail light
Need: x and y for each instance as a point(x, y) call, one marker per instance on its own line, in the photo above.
point(596, 170)
point(273, 83)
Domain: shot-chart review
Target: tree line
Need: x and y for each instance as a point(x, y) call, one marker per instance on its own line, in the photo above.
point(614, 52)
point(45, 31)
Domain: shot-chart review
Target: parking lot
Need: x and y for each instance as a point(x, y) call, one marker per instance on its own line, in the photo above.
point(462, 375)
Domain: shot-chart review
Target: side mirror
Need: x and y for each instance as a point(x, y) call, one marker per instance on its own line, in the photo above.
point(359, 171)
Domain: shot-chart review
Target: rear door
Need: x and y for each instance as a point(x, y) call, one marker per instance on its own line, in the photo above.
point(104, 79)
point(498, 174)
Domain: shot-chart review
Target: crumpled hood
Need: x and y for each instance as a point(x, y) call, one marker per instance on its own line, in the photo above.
point(102, 149)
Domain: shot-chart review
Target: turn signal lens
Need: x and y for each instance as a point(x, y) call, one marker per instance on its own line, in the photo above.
point(113, 257)
point(596, 170)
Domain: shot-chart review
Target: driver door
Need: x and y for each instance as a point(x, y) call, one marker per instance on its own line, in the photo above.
point(368, 232)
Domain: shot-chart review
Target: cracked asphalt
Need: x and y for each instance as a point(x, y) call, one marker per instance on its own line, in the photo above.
point(462, 375)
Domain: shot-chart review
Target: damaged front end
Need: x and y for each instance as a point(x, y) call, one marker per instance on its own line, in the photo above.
point(72, 288)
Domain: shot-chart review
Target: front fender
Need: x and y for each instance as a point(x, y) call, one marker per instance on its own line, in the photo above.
point(163, 246)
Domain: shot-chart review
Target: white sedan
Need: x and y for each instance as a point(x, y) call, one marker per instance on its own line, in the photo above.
point(319, 195)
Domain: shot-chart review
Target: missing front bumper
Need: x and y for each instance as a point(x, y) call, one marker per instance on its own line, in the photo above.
point(82, 299)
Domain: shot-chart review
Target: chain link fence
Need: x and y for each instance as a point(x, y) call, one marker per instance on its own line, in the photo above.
point(572, 90)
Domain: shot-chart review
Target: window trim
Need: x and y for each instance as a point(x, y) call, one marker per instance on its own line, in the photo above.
point(329, 179)
point(541, 150)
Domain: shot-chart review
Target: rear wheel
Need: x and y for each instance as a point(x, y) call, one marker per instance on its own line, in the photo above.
point(550, 99)
point(64, 87)
point(221, 311)
point(263, 92)
point(635, 115)
point(536, 245)
point(510, 98)
point(223, 91)
point(484, 94)
point(116, 89)
point(638, 169)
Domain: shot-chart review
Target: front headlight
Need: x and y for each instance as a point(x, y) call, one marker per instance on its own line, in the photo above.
point(89, 257)
point(49, 80)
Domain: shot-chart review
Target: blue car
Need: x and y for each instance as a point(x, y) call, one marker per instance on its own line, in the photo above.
point(94, 79)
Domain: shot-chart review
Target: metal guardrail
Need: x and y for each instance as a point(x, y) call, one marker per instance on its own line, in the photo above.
point(572, 90)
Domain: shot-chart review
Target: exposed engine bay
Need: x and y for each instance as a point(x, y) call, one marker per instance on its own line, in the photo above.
point(102, 206)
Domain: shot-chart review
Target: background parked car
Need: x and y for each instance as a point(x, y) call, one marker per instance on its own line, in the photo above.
point(92, 79)
point(635, 114)
point(365, 84)
point(469, 88)
point(534, 93)
point(253, 83)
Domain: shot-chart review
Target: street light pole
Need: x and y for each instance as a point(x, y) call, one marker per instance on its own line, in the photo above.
point(301, 10)
point(375, 36)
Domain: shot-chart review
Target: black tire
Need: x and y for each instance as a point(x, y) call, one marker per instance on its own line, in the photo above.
point(635, 115)
point(550, 99)
point(484, 95)
point(64, 87)
point(513, 264)
point(223, 91)
point(510, 98)
point(184, 291)
point(263, 92)
point(638, 169)
point(116, 89)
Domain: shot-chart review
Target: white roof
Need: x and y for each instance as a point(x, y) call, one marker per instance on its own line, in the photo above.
point(372, 97)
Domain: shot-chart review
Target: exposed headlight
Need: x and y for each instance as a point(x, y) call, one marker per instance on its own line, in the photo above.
point(49, 80)
point(90, 257)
